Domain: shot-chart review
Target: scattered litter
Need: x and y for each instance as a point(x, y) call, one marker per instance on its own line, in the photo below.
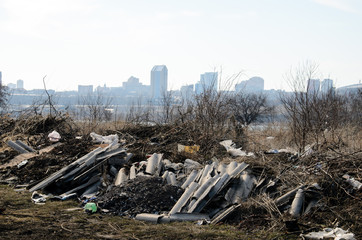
point(188, 149)
point(329, 233)
point(23, 163)
point(233, 151)
point(353, 182)
point(28, 155)
point(73, 209)
point(38, 198)
point(203, 222)
point(54, 136)
point(272, 151)
point(104, 139)
point(90, 207)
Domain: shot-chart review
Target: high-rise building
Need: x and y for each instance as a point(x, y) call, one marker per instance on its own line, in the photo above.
point(159, 74)
point(327, 85)
point(133, 87)
point(85, 89)
point(313, 85)
point(254, 84)
point(132, 84)
point(20, 84)
point(187, 90)
point(208, 81)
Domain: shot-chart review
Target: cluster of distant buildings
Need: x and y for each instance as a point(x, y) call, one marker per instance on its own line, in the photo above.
point(316, 86)
point(133, 88)
point(157, 88)
point(19, 84)
point(209, 81)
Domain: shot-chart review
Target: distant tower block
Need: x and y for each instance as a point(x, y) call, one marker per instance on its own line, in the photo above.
point(327, 85)
point(208, 81)
point(20, 84)
point(313, 86)
point(159, 75)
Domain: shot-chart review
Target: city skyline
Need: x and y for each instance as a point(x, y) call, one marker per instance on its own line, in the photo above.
point(208, 80)
point(95, 42)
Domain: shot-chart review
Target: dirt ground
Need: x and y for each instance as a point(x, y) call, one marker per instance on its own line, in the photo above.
point(22, 219)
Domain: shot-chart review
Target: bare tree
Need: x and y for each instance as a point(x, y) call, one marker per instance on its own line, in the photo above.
point(249, 107)
point(354, 107)
point(94, 108)
point(140, 112)
point(167, 108)
point(3, 96)
point(311, 113)
point(49, 100)
point(298, 105)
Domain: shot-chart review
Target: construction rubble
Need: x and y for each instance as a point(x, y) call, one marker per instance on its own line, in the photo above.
point(244, 187)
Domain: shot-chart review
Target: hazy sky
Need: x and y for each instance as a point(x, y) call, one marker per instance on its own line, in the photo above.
point(107, 41)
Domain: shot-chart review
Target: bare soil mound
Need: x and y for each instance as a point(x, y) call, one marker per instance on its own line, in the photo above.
point(140, 195)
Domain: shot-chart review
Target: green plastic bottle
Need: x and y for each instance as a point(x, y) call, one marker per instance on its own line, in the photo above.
point(90, 207)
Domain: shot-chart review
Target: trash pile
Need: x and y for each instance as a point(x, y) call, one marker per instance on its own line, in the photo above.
point(128, 175)
point(138, 195)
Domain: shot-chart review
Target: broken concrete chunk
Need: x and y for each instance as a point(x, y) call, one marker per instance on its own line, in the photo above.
point(60, 174)
point(282, 199)
point(200, 201)
point(23, 145)
point(240, 188)
point(221, 169)
point(223, 214)
point(132, 172)
point(148, 217)
point(191, 165)
point(171, 179)
point(184, 198)
point(113, 171)
point(206, 174)
point(165, 175)
point(154, 164)
point(121, 177)
point(231, 167)
point(191, 178)
point(297, 204)
point(16, 147)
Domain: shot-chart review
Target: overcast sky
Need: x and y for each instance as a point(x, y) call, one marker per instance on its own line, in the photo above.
point(107, 41)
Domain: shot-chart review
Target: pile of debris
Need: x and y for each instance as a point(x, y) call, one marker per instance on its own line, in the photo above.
point(271, 187)
point(216, 189)
point(141, 194)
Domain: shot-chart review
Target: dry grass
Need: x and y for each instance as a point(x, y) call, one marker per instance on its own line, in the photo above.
point(21, 219)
